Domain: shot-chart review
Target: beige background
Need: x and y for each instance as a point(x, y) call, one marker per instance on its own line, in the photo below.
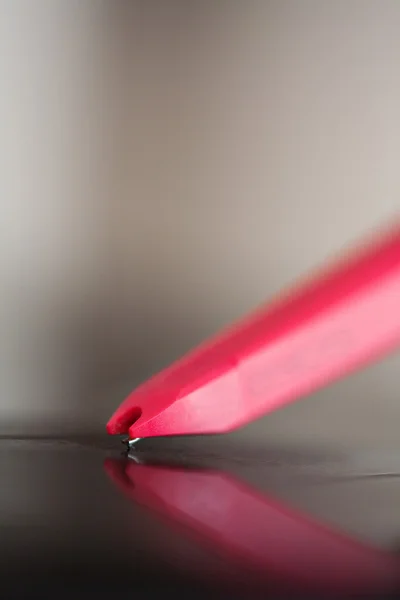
point(168, 165)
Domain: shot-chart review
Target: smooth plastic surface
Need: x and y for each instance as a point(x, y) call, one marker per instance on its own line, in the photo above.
point(335, 322)
point(256, 533)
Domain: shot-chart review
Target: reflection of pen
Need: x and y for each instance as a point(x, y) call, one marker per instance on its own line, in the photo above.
point(344, 318)
point(257, 533)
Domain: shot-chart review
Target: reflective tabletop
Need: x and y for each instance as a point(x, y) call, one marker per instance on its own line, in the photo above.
point(205, 517)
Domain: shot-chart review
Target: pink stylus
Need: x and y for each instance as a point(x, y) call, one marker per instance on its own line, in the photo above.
point(337, 321)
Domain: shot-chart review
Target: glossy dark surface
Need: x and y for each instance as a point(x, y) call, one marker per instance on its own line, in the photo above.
point(201, 518)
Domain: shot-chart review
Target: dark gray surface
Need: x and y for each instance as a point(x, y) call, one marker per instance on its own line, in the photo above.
point(62, 517)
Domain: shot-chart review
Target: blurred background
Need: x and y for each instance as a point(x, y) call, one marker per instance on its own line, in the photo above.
point(166, 166)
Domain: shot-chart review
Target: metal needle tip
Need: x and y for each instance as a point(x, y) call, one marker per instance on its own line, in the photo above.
point(131, 443)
